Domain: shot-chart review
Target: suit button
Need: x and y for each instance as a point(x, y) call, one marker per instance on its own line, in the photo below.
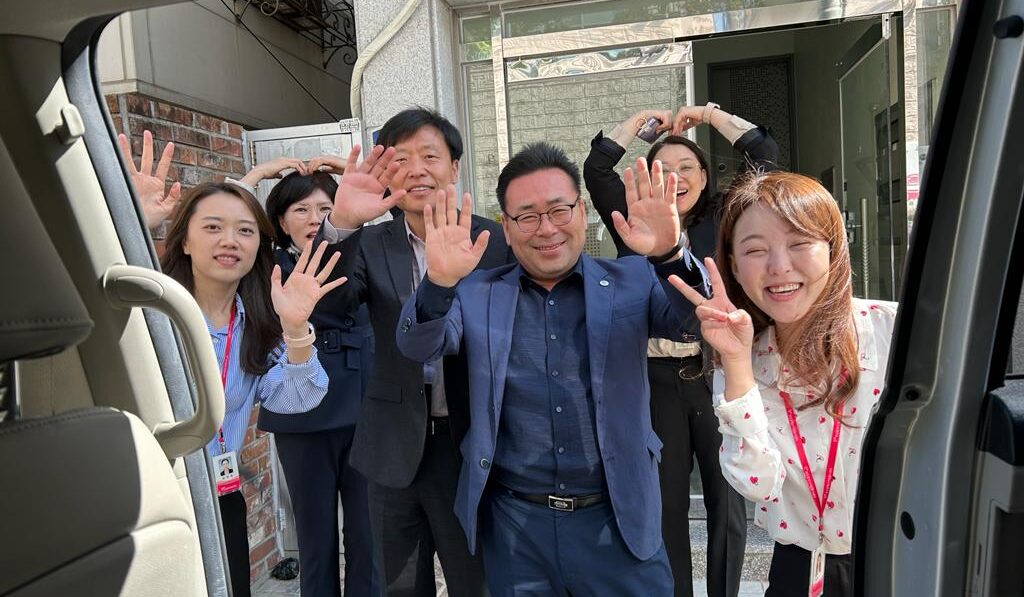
point(484, 463)
point(349, 321)
point(603, 282)
point(406, 324)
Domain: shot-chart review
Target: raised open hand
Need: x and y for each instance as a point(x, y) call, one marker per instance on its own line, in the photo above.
point(451, 252)
point(727, 329)
point(295, 299)
point(149, 185)
point(653, 225)
point(360, 197)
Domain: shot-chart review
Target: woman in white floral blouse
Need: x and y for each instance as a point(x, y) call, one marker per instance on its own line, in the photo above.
point(801, 363)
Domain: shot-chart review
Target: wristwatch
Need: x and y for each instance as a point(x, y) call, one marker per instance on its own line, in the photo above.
point(705, 116)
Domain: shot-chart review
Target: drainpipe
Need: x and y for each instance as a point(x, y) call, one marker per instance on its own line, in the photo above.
point(370, 51)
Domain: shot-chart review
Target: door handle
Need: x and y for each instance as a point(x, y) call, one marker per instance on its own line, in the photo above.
point(128, 286)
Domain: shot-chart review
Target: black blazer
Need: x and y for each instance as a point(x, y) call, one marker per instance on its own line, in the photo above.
point(344, 345)
point(391, 434)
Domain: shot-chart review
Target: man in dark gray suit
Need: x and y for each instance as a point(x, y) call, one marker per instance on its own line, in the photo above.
point(414, 415)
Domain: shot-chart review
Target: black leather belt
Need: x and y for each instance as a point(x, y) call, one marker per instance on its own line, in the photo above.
point(559, 502)
point(438, 425)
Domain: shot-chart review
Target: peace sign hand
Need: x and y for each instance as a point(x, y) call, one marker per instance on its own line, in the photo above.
point(653, 225)
point(451, 252)
point(295, 299)
point(727, 329)
point(149, 186)
point(360, 197)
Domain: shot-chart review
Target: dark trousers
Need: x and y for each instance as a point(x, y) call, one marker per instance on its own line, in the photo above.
point(411, 523)
point(683, 417)
point(317, 471)
point(236, 541)
point(531, 550)
point(791, 572)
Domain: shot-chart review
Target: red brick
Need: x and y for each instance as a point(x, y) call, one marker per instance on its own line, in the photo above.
point(215, 161)
point(248, 490)
point(112, 105)
point(253, 451)
point(264, 463)
point(191, 176)
point(209, 123)
point(173, 114)
point(137, 104)
point(234, 130)
point(118, 126)
point(186, 155)
point(263, 550)
point(160, 130)
point(190, 136)
point(250, 435)
point(227, 146)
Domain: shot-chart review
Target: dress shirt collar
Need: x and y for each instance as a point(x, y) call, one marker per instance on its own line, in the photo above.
point(525, 281)
point(766, 349)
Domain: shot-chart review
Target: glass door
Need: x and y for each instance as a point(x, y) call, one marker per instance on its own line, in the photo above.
point(871, 154)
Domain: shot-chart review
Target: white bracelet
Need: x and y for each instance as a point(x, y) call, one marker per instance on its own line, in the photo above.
point(302, 341)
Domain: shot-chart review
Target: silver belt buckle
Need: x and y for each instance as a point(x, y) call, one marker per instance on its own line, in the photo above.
point(562, 504)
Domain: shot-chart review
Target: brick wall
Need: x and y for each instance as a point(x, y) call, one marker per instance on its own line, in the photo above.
point(206, 150)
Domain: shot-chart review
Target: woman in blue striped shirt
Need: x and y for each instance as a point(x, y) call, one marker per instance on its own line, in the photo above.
point(219, 247)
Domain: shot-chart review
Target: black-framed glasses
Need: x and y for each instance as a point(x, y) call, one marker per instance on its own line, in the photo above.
point(560, 215)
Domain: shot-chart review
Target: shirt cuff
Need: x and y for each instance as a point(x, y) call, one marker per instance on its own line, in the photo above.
point(242, 185)
point(305, 370)
point(335, 235)
point(741, 124)
point(744, 416)
point(432, 301)
point(607, 147)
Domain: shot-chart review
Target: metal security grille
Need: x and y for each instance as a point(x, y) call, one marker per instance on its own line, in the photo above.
point(759, 91)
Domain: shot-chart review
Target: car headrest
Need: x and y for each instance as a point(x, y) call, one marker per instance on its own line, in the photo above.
point(41, 312)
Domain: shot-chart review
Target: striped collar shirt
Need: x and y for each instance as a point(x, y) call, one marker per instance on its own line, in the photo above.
point(285, 388)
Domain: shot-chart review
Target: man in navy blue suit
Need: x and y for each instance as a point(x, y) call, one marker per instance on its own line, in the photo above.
point(559, 481)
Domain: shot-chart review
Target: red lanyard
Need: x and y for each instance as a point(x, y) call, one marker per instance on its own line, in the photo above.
point(833, 449)
point(224, 372)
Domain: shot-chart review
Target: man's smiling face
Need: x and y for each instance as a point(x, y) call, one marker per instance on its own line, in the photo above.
point(425, 157)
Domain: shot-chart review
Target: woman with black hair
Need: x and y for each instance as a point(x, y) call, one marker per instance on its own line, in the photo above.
point(681, 407)
point(314, 447)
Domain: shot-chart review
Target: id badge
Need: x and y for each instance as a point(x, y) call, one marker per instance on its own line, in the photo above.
point(816, 588)
point(225, 467)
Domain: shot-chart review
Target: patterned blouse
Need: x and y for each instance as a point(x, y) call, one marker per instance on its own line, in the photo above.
point(759, 457)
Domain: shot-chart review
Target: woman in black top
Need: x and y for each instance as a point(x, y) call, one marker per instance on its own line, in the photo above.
point(681, 409)
point(313, 447)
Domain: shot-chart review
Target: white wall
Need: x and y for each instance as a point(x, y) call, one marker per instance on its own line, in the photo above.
point(196, 56)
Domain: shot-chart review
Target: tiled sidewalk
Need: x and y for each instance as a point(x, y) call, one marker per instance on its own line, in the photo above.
point(754, 570)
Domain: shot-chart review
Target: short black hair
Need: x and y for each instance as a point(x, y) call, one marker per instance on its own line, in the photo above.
point(403, 125)
point(294, 188)
point(532, 158)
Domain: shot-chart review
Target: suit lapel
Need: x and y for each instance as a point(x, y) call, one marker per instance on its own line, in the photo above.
point(398, 257)
point(599, 293)
point(501, 314)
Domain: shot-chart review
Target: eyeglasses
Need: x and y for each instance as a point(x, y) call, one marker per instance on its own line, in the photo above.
point(560, 215)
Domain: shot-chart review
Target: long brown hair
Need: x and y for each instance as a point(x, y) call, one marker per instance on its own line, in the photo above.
point(826, 334)
point(262, 326)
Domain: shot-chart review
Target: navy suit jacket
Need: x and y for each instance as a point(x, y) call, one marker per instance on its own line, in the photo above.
point(626, 304)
